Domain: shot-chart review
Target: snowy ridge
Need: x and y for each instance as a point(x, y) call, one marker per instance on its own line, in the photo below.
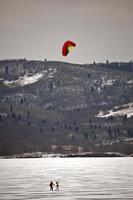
point(126, 109)
point(30, 79)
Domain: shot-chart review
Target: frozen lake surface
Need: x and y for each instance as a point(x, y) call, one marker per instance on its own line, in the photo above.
point(80, 178)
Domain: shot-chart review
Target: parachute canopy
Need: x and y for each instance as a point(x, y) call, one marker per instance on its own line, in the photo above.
point(67, 46)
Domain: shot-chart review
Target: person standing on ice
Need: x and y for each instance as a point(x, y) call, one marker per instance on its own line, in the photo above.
point(51, 186)
point(57, 186)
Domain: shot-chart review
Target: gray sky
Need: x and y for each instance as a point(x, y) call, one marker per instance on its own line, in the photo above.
point(36, 29)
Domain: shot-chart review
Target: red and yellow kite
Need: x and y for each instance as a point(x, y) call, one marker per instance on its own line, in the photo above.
point(67, 46)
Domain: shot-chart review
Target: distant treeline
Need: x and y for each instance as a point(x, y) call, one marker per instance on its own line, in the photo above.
point(123, 66)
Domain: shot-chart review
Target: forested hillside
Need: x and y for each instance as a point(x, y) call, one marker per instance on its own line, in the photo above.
point(57, 107)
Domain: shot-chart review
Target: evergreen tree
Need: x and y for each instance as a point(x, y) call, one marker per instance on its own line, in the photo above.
point(86, 136)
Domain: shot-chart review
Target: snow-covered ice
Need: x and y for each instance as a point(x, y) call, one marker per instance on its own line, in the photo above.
point(79, 178)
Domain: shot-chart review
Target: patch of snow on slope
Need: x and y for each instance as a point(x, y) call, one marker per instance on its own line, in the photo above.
point(106, 82)
point(126, 109)
point(30, 79)
point(52, 72)
point(4, 115)
point(25, 80)
point(130, 82)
